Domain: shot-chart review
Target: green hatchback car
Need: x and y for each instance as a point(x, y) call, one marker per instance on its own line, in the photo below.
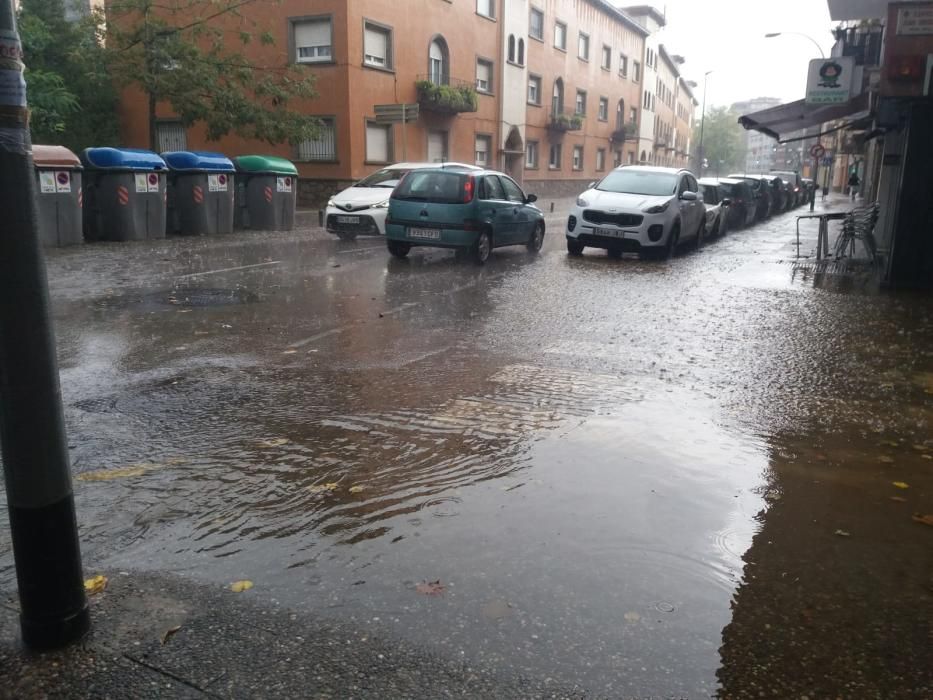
point(475, 211)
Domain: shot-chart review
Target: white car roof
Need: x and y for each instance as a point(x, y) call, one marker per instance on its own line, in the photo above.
point(416, 166)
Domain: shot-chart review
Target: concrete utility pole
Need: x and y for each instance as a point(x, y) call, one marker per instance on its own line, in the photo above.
point(53, 606)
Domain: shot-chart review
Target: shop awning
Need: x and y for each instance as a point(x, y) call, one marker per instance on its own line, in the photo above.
point(785, 120)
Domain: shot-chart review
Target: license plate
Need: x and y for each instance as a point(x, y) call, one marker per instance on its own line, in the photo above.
point(348, 219)
point(610, 232)
point(431, 233)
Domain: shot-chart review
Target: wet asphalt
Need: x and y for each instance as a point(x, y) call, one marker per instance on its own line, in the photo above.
point(683, 478)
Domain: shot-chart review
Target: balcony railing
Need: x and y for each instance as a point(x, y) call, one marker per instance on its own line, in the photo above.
point(561, 120)
point(452, 97)
point(863, 43)
point(625, 133)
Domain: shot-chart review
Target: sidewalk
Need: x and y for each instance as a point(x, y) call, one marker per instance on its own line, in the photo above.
point(233, 645)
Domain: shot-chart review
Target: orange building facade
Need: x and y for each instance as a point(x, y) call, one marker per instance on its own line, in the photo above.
point(557, 99)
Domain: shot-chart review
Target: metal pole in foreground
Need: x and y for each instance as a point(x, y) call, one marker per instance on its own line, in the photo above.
point(53, 606)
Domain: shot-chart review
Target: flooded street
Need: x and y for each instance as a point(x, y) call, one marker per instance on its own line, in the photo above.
point(669, 479)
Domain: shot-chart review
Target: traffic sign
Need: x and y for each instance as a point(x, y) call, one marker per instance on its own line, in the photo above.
point(817, 150)
point(396, 114)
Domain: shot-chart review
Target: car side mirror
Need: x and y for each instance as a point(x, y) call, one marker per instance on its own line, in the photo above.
point(689, 196)
point(531, 198)
point(726, 202)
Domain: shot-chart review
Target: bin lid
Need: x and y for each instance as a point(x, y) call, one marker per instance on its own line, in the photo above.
point(54, 157)
point(265, 164)
point(198, 160)
point(121, 159)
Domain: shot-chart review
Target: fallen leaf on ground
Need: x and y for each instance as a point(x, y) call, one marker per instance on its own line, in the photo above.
point(118, 473)
point(240, 586)
point(273, 442)
point(897, 498)
point(842, 533)
point(901, 484)
point(357, 489)
point(889, 443)
point(884, 459)
point(922, 519)
point(322, 488)
point(920, 448)
point(167, 634)
point(430, 587)
point(95, 584)
point(289, 352)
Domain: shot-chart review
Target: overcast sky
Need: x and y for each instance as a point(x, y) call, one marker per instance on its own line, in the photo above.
point(727, 37)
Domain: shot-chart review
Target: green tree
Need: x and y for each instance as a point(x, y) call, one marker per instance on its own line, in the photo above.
point(71, 96)
point(723, 141)
point(198, 56)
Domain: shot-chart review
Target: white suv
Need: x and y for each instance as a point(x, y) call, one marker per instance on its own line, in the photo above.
point(638, 209)
point(361, 208)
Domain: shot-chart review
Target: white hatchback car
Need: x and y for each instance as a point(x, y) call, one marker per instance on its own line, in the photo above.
point(638, 209)
point(360, 210)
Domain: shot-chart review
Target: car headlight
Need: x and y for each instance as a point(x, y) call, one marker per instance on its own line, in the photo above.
point(330, 202)
point(582, 202)
point(658, 208)
point(381, 205)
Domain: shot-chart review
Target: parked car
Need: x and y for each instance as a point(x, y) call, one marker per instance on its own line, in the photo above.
point(638, 209)
point(468, 210)
point(743, 208)
point(791, 178)
point(790, 195)
point(361, 208)
point(778, 194)
point(716, 206)
point(761, 188)
point(809, 189)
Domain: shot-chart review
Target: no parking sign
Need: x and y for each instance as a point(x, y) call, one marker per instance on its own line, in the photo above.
point(283, 184)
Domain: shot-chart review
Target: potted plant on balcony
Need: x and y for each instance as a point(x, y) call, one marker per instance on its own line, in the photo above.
point(566, 122)
point(448, 99)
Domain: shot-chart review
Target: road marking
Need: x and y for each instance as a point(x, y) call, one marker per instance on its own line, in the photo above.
point(318, 336)
point(228, 269)
point(360, 250)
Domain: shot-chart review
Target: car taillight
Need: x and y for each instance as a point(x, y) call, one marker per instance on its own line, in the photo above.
point(469, 186)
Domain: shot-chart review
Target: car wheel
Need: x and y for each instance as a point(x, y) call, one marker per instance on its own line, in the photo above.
point(672, 241)
point(537, 238)
point(398, 248)
point(614, 253)
point(346, 236)
point(574, 247)
point(482, 248)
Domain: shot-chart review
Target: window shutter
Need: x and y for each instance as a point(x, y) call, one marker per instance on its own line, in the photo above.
point(377, 143)
point(376, 45)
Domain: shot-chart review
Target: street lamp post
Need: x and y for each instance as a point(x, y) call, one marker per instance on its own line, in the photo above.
point(700, 152)
point(771, 35)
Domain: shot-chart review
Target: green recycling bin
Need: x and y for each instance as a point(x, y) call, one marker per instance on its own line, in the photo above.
point(59, 195)
point(200, 193)
point(124, 194)
point(267, 189)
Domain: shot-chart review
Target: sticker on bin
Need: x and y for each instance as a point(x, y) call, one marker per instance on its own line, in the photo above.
point(62, 181)
point(217, 183)
point(141, 184)
point(153, 182)
point(283, 184)
point(46, 182)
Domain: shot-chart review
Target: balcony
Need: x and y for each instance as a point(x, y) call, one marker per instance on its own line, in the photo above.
point(624, 133)
point(453, 98)
point(560, 120)
point(863, 42)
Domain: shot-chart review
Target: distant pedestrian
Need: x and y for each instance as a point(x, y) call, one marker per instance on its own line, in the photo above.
point(854, 182)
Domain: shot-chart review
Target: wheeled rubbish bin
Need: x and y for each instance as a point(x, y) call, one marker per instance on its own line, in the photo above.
point(200, 192)
point(267, 188)
point(124, 194)
point(58, 195)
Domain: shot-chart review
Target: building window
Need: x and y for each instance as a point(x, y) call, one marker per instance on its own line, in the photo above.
point(581, 102)
point(623, 65)
point(646, 101)
point(536, 24)
point(578, 157)
point(313, 40)
point(557, 97)
point(600, 159)
point(378, 143)
point(531, 154)
point(511, 48)
point(521, 52)
point(560, 36)
point(437, 147)
point(607, 58)
point(617, 159)
point(377, 45)
point(324, 147)
point(486, 8)
point(636, 71)
point(438, 62)
point(603, 114)
point(620, 114)
point(171, 136)
point(483, 146)
point(553, 161)
point(633, 115)
point(583, 46)
point(631, 157)
point(483, 75)
point(534, 90)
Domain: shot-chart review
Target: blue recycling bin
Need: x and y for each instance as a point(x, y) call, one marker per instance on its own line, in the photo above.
point(200, 192)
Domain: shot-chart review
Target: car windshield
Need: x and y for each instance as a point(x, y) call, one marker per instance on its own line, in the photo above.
point(431, 186)
point(383, 178)
point(631, 181)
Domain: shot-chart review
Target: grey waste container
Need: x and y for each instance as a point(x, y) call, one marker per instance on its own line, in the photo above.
point(58, 195)
point(124, 194)
point(200, 192)
point(267, 189)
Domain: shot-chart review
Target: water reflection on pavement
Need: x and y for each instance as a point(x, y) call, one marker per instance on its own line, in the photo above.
point(629, 476)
